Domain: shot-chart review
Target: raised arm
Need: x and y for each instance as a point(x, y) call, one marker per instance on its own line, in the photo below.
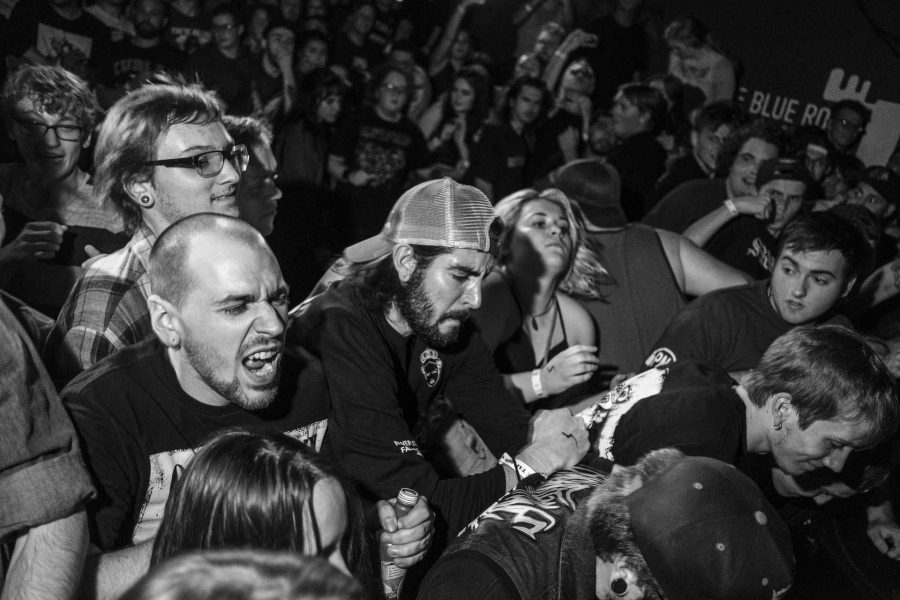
point(701, 230)
point(441, 53)
point(697, 271)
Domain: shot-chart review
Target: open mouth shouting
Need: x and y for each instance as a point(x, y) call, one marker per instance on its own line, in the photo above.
point(263, 364)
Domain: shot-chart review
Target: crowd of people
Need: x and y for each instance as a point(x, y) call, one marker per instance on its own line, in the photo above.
point(265, 264)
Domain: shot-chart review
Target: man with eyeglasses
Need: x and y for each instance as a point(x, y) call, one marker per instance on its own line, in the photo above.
point(224, 66)
point(847, 125)
point(49, 207)
point(162, 154)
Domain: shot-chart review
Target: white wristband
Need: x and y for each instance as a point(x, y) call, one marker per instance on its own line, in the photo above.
point(732, 209)
point(536, 384)
point(522, 470)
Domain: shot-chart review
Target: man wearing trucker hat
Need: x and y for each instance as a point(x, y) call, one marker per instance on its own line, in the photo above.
point(393, 335)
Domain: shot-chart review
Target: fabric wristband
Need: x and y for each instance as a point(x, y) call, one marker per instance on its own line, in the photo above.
point(536, 384)
point(521, 470)
point(732, 209)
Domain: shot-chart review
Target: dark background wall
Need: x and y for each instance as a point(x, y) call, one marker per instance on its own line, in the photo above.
point(800, 55)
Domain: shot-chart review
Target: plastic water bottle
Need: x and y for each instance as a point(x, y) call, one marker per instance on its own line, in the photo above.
point(391, 574)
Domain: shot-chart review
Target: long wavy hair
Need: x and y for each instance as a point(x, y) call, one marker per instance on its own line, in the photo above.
point(254, 491)
point(584, 272)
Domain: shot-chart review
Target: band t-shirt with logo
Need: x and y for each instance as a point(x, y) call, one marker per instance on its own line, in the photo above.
point(746, 244)
point(36, 23)
point(387, 150)
point(379, 382)
point(138, 429)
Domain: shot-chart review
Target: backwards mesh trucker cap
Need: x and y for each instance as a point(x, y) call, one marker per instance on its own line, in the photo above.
point(439, 212)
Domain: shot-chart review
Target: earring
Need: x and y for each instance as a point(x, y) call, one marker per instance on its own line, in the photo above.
point(146, 201)
point(619, 586)
point(776, 426)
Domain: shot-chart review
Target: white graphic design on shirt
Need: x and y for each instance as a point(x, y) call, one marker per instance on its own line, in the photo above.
point(604, 416)
point(431, 366)
point(660, 357)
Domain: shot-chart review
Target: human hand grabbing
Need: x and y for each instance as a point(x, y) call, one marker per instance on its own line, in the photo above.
point(754, 206)
point(408, 537)
point(574, 365)
point(38, 240)
point(558, 440)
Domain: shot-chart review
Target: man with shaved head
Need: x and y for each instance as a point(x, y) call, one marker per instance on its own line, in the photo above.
point(219, 312)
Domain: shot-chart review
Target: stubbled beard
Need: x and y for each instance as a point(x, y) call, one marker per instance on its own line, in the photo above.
point(418, 311)
point(202, 359)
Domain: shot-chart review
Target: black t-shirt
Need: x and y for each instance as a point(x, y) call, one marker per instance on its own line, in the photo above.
point(499, 158)
point(547, 154)
point(746, 244)
point(620, 52)
point(390, 151)
point(379, 383)
point(687, 203)
point(137, 427)
point(640, 160)
point(230, 78)
point(731, 328)
point(696, 411)
point(35, 23)
point(127, 61)
point(187, 33)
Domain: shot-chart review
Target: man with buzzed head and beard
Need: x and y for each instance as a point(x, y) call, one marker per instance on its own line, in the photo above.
point(219, 311)
point(393, 336)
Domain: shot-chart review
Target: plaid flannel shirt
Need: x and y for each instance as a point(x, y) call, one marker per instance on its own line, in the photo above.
point(106, 310)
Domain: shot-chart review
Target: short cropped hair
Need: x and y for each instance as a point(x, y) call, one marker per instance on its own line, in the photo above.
point(170, 278)
point(830, 373)
point(717, 114)
point(825, 231)
point(250, 131)
point(130, 134)
point(53, 90)
point(245, 575)
point(858, 107)
point(763, 129)
point(648, 100)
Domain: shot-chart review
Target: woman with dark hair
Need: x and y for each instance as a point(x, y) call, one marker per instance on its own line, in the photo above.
point(245, 575)
point(267, 492)
point(374, 152)
point(544, 341)
point(450, 124)
point(639, 114)
point(302, 145)
point(696, 60)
